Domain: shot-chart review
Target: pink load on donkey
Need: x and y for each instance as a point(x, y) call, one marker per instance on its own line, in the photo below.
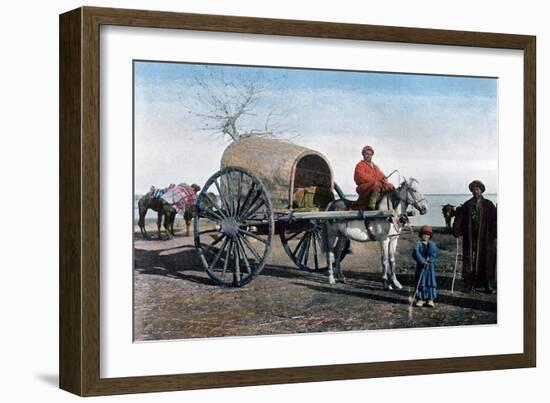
point(180, 197)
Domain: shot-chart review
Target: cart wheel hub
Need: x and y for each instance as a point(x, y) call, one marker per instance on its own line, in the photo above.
point(313, 226)
point(229, 227)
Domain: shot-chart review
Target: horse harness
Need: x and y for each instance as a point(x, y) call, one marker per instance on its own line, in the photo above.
point(402, 219)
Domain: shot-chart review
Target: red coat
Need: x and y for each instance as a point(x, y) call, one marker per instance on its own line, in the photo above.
point(369, 178)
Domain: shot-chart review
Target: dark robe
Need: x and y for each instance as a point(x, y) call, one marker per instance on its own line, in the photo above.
point(478, 227)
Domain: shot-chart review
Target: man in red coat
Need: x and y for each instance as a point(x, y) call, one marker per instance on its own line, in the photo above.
point(370, 181)
point(476, 222)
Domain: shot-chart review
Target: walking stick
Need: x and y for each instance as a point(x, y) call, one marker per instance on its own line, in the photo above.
point(417, 287)
point(454, 271)
point(410, 309)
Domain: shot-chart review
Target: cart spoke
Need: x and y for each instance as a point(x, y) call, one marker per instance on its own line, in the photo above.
point(249, 194)
point(298, 246)
point(252, 249)
point(306, 249)
point(315, 251)
point(211, 215)
point(222, 197)
point(229, 195)
point(237, 271)
point(300, 231)
point(212, 204)
point(319, 239)
point(253, 209)
point(253, 235)
point(244, 213)
point(226, 260)
point(216, 241)
point(244, 256)
point(218, 255)
point(239, 190)
point(209, 231)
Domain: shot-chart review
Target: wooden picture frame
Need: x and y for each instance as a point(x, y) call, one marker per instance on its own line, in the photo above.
point(80, 200)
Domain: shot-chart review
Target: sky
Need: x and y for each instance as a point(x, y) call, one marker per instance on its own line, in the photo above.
point(441, 130)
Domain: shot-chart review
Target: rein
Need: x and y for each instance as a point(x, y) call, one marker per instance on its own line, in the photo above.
point(415, 202)
point(410, 200)
point(404, 194)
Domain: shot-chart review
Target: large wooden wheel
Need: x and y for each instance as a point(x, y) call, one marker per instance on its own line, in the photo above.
point(233, 227)
point(302, 243)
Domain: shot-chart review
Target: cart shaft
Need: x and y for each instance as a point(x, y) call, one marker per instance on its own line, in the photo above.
point(334, 215)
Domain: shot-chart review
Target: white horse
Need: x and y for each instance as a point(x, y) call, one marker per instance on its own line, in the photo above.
point(385, 230)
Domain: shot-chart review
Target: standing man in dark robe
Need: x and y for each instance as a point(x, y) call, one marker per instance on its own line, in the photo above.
point(476, 222)
point(370, 181)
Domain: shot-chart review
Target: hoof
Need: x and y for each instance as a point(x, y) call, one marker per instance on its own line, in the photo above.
point(387, 285)
point(331, 280)
point(396, 283)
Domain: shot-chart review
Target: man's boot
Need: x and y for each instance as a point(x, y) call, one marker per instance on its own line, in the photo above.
point(488, 288)
point(373, 198)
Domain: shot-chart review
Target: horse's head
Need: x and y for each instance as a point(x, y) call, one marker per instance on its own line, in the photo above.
point(409, 193)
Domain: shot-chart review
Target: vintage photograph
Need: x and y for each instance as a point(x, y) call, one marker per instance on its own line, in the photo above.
point(273, 200)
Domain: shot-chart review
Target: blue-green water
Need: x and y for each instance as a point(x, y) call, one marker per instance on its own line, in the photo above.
point(434, 217)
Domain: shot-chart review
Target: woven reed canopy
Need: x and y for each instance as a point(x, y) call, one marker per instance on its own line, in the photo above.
point(281, 166)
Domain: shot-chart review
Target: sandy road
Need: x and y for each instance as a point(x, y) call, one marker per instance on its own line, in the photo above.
point(174, 298)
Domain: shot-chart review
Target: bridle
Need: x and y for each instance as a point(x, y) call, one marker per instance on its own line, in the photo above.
point(410, 196)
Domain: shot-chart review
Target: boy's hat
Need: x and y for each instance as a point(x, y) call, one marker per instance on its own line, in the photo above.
point(426, 229)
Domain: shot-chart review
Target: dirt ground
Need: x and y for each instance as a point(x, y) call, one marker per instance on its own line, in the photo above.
point(174, 298)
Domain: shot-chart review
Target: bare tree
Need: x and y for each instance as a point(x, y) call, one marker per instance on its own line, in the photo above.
point(236, 108)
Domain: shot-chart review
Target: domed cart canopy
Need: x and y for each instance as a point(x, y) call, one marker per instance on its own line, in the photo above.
point(281, 166)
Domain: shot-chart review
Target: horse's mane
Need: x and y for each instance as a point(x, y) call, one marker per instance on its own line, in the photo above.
point(394, 196)
point(409, 182)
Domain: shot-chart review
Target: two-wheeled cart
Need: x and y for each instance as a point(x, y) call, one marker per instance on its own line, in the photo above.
point(266, 187)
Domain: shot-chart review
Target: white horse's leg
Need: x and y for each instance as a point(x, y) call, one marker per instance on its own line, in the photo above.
point(393, 271)
point(328, 246)
point(384, 246)
point(330, 262)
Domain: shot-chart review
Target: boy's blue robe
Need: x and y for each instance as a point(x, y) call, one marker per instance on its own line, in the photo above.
point(425, 276)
